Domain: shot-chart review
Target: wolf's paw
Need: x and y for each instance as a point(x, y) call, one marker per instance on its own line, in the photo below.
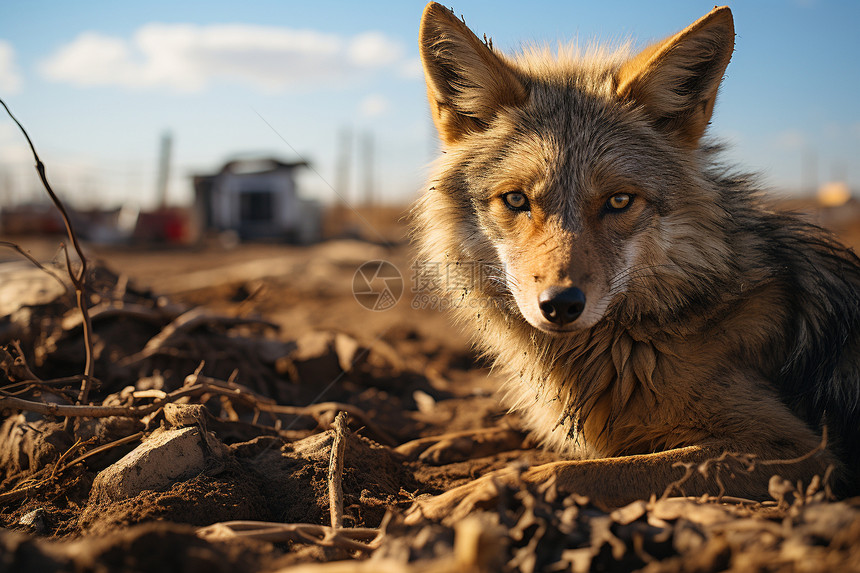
point(456, 504)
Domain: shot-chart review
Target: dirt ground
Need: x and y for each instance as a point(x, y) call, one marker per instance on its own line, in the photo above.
point(233, 363)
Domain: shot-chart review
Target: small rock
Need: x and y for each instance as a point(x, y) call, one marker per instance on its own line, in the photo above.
point(163, 458)
point(184, 415)
point(36, 520)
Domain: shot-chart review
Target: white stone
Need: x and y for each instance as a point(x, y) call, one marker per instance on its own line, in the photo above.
point(163, 458)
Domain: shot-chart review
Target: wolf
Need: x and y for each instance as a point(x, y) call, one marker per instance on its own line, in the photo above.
point(652, 310)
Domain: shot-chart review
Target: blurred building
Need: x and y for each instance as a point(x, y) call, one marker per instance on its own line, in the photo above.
point(31, 218)
point(257, 199)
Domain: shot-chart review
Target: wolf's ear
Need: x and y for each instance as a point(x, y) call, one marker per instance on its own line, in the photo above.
point(676, 80)
point(467, 83)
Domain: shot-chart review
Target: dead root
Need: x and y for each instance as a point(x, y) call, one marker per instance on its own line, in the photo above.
point(196, 386)
point(362, 539)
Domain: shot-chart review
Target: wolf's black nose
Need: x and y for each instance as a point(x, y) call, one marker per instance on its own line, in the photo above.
point(561, 305)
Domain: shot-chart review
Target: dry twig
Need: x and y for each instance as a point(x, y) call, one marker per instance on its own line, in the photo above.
point(23, 492)
point(196, 384)
point(78, 279)
point(100, 449)
point(317, 410)
point(335, 471)
point(364, 539)
point(16, 368)
point(36, 263)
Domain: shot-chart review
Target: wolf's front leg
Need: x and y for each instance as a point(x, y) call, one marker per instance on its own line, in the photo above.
point(613, 482)
point(609, 481)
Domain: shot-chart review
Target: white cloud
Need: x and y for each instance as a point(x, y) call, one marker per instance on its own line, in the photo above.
point(373, 106)
point(790, 140)
point(92, 59)
point(373, 49)
point(189, 58)
point(10, 79)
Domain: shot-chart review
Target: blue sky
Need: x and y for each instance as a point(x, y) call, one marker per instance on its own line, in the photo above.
point(97, 83)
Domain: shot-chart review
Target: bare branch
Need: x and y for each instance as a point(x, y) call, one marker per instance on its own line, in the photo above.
point(79, 279)
point(69, 410)
point(351, 538)
point(335, 471)
point(36, 263)
point(316, 410)
point(100, 449)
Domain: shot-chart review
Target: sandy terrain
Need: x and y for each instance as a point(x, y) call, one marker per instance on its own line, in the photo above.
point(271, 341)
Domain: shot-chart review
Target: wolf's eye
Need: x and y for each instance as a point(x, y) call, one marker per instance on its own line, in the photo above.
point(619, 202)
point(516, 201)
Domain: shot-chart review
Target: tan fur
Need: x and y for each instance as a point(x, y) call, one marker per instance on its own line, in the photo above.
point(482, 68)
point(651, 75)
point(691, 330)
